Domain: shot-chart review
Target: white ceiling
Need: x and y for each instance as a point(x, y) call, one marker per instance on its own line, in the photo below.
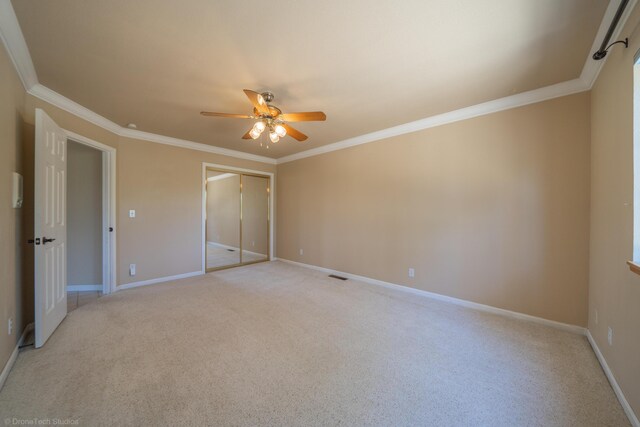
point(367, 65)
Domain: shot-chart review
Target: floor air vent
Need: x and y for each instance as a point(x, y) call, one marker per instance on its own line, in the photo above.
point(333, 276)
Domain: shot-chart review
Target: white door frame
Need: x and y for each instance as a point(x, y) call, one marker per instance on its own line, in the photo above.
point(272, 192)
point(108, 209)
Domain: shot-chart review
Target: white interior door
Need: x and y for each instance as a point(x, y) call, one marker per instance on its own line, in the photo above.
point(50, 226)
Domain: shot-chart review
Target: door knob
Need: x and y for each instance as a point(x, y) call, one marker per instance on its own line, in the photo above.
point(45, 240)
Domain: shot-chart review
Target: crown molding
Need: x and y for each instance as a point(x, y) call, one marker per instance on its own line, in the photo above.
point(525, 98)
point(16, 46)
point(183, 143)
point(72, 107)
point(54, 98)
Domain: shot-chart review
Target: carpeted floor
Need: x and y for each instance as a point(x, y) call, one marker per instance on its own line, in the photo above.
point(275, 344)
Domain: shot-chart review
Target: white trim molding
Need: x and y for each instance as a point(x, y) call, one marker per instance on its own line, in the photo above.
point(72, 107)
point(183, 143)
point(614, 384)
point(83, 288)
point(457, 301)
point(158, 280)
point(54, 98)
point(108, 208)
point(17, 48)
point(538, 95)
point(14, 355)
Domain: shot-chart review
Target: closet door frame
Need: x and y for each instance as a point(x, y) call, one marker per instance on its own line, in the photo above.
point(270, 217)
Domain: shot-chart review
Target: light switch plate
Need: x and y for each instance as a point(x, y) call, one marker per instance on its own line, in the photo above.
point(132, 213)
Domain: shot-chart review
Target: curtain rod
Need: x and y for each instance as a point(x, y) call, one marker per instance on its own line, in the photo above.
point(602, 52)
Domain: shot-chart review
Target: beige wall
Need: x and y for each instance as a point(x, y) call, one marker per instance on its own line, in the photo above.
point(223, 211)
point(614, 291)
point(84, 215)
point(493, 209)
point(11, 237)
point(164, 185)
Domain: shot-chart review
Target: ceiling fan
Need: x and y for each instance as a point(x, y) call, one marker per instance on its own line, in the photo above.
point(271, 117)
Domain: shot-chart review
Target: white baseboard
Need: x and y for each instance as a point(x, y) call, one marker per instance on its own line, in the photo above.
point(14, 355)
point(474, 305)
point(614, 384)
point(83, 288)
point(158, 280)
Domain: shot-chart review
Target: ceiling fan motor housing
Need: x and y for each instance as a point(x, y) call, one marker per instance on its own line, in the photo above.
point(274, 113)
point(268, 96)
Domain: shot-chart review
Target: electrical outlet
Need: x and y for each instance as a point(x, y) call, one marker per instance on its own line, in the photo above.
point(610, 336)
point(132, 213)
point(301, 251)
point(10, 326)
point(132, 269)
point(412, 272)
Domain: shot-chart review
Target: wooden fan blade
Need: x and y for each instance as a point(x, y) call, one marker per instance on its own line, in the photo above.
point(246, 135)
point(293, 133)
point(258, 101)
point(228, 115)
point(312, 116)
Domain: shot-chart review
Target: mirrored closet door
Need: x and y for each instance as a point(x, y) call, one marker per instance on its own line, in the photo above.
point(255, 218)
point(237, 219)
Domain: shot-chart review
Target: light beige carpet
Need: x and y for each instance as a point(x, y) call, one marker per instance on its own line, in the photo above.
point(275, 344)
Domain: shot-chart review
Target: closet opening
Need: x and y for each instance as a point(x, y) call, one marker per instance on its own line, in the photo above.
point(237, 218)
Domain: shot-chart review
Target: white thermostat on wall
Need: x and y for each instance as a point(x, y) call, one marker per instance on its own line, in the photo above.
point(17, 190)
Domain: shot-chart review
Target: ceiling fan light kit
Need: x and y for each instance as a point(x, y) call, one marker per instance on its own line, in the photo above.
point(274, 137)
point(280, 130)
point(271, 117)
